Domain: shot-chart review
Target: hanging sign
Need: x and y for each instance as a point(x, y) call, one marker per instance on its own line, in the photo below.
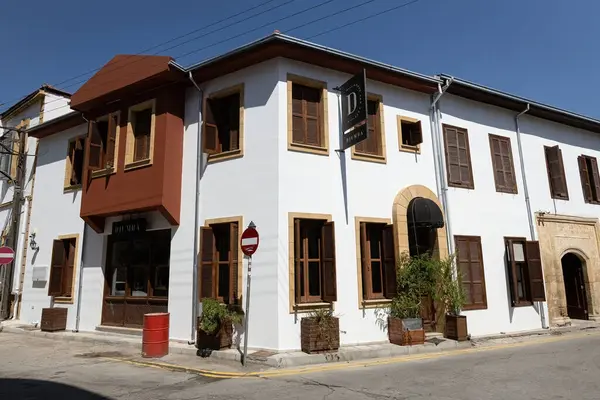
point(354, 110)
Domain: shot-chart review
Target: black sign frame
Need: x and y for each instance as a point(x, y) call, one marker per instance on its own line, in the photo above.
point(354, 110)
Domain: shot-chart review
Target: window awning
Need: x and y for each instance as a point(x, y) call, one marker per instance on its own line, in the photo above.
point(424, 213)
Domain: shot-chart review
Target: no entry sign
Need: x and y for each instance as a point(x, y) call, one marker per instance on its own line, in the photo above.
point(6, 255)
point(249, 241)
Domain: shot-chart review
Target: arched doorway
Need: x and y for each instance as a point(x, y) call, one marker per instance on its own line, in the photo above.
point(572, 267)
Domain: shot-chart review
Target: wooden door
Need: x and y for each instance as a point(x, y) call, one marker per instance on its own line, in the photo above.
point(574, 287)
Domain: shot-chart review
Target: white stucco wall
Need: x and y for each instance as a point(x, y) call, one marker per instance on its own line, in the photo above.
point(313, 184)
point(54, 213)
point(244, 187)
point(55, 106)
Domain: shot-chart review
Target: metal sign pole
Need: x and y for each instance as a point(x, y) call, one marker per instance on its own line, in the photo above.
point(247, 311)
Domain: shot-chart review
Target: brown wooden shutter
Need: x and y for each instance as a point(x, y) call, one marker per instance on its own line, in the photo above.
point(328, 262)
point(234, 121)
point(210, 134)
point(477, 272)
point(298, 127)
point(556, 172)
point(452, 158)
point(512, 280)
point(56, 268)
point(365, 262)
point(462, 258)
point(312, 106)
point(111, 141)
point(585, 179)
point(94, 147)
point(502, 162)
point(596, 177)
point(415, 134)
point(207, 260)
point(371, 144)
point(67, 279)
point(233, 262)
point(297, 261)
point(389, 262)
point(536, 275)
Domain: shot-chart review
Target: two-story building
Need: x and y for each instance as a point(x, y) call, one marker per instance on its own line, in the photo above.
point(39, 106)
point(173, 163)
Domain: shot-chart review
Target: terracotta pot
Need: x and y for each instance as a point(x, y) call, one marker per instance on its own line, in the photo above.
point(403, 332)
point(314, 339)
point(456, 327)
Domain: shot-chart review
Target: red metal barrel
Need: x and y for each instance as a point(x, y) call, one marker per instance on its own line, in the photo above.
point(155, 336)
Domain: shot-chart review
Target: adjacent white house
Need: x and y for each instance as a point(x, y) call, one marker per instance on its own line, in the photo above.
point(39, 106)
point(150, 181)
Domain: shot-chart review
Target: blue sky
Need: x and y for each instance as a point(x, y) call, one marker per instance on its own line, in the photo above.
point(546, 50)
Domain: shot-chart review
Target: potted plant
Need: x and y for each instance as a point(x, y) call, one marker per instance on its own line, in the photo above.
point(450, 293)
point(215, 325)
point(320, 331)
point(414, 281)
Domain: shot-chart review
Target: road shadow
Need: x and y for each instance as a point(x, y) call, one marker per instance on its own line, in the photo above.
point(33, 389)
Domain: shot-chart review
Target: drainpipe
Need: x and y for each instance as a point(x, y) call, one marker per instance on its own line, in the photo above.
point(196, 215)
point(442, 187)
point(80, 280)
point(525, 188)
point(527, 201)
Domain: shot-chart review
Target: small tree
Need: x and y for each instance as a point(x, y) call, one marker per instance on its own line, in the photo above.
point(415, 278)
point(449, 290)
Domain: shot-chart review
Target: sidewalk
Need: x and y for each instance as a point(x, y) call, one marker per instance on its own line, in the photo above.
point(183, 356)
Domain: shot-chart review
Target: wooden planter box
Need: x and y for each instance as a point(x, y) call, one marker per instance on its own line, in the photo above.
point(400, 334)
point(315, 340)
point(53, 319)
point(456, 327)
point(223, 339)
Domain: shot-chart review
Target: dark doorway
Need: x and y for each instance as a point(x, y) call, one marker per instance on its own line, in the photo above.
point(424, 219)
point(572, 268)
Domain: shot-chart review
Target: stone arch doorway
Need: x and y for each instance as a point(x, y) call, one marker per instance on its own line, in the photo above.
point(413, 234)
point(575, 290)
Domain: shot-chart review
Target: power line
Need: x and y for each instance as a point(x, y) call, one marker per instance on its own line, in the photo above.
point(305, 24)
point(177, 38)
point(364, 19)
point(239, 35)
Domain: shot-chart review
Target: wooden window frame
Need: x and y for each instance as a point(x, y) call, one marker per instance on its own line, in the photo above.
point(237, 292)
point(228, 91)
point(301, 307)
point(527, 279)
point(499, 188)
point(362, 301)
point(102, 172)
point(324, 116)
point(405, 147)
point(553, 191)
point(67, 186)
point(68, 299)
point(473, 306)
point(588, 179)
point(130, 142)
point(464, 185)
point(377, 158)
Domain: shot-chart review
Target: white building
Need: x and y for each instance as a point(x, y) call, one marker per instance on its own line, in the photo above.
point(41, 105)
point(269, 134)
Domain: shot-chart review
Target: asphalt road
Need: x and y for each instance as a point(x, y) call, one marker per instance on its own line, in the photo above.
point(566, 368)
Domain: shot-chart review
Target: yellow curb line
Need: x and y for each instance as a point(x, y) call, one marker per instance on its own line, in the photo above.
point(350, 364)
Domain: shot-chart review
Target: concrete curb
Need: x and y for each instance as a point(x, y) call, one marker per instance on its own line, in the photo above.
point(479, 340)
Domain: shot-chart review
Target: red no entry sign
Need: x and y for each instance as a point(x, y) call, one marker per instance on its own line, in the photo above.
point(249, 241)
point(6, 255)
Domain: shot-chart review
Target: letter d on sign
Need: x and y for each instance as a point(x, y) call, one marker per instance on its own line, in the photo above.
point(352, 103)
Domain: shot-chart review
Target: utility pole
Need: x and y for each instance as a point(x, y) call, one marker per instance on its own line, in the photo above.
point(13, 238)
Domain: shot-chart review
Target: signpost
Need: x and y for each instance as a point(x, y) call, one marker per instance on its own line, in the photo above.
point(6, 255)
point(249, 244)
point(354, 110)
